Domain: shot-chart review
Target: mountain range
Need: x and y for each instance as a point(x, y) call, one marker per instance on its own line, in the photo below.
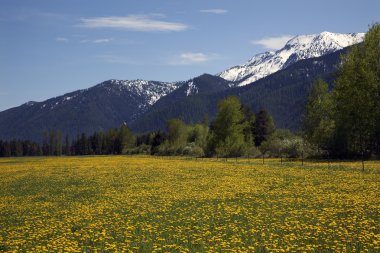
point(276, 81)
point(298, 48)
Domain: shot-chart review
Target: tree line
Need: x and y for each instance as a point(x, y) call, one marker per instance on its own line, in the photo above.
point(236, 131)
point(114, 141)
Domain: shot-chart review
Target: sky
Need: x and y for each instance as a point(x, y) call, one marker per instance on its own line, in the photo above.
point(51, 47)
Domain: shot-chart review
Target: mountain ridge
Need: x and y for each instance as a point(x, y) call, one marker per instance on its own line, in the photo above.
point(97, 108)
point(298, 48)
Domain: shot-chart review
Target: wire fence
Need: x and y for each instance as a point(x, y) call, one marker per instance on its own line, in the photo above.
point(283, 162)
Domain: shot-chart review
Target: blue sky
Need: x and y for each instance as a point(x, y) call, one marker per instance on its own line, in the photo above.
point(50, 47)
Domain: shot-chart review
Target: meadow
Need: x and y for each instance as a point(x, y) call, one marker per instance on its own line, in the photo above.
point(157, 204)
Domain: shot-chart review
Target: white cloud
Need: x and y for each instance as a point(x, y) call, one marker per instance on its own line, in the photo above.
point(192, 58)
point(133, 22)
point(62, 39)
point(106, 40)
point(273, 42)
point(215, 11)
point(98, 41)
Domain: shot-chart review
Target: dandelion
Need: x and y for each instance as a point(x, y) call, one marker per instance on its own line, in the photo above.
point(146, 204)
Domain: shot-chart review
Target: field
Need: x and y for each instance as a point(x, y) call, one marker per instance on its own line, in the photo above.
point(147, 204)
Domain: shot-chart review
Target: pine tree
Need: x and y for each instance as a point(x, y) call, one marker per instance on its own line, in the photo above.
point(110, 141)
point(7, 149)
point(264, 127)
point(157, 140)
point(67, 146)
point(58, 143)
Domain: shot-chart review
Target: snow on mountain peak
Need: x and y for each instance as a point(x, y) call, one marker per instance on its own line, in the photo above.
point(191, 88)
point(298, 48)
point(151, 91)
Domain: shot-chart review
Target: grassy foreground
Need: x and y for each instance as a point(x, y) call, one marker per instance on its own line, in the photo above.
point(145, 204)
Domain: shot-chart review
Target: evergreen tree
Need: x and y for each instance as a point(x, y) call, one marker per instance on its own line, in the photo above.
point(7, 149)
point(110, 141)
point(52, 143)
point(264, 127)
point(45, 143)
point(67, 146)
point(158, 139)
point(16, 148)
point(97, 143)
point(58, 143)
point(83, 145)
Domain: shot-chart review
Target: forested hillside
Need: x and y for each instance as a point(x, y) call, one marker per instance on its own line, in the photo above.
point(283, 94)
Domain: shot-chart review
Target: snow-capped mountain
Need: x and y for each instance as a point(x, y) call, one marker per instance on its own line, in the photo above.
point(298, 48)
point(145, 93)
point(151, 91)
point(146, 105)
point(203, 84)
point(97, 108)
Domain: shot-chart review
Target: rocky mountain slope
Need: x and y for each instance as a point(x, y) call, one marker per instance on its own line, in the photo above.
point(98, 108)
point(298, 48)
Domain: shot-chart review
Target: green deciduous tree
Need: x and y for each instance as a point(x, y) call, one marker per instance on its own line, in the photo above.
point(177, 133)
point(199, 135)
point(283, 143)
point(318, 122)
point(347, 120)
point(124, 140)
point(357, 97)
point(250, 120)
point(227, 131)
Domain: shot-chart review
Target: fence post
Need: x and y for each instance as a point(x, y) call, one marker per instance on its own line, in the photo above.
point(362, 160)
point(328, 159)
